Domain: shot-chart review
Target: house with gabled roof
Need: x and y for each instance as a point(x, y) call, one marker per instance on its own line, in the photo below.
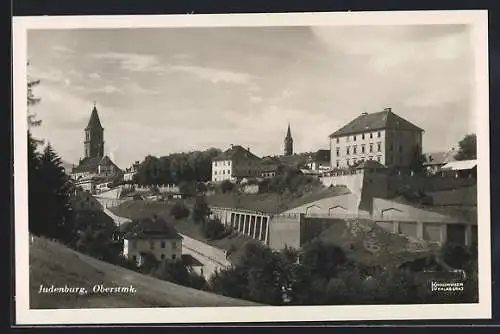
point(235, 164)
point(382, 136)
point(151, 236)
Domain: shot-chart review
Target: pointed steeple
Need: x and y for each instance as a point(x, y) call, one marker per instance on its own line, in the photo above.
point(288, 142)
point(94, 122)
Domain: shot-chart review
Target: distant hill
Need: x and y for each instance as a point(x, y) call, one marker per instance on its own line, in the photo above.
point(54, 264)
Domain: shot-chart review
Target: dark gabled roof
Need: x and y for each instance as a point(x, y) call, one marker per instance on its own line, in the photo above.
point(439, 158)
point(90, 164)
point(149, 228)
point(87, 165)
point(94, 122)
point(369, 164)
point(376, 121)
point(292, 160)
point(236, 153)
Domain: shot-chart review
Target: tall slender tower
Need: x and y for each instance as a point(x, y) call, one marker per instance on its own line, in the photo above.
point(288, 142)
point(94, 137)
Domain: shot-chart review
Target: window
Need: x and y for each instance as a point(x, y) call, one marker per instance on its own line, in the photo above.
point(338, 140)
point(371, 135)
point(174, 245)
point(379, 158)
point(379, 147)
point(347, 139)
point(347, 150)
point(229, 163)
point(135, 258)
point(378, 134)
point(362, 148)
point(338, 151)
point(229, 172)
point(152, 245)
point(162, 245)
point(363, 136)
point(354, 138)
point(371, 148)
point(224, 172)
point(371, 158)
point(354, 149)
point(338, 163)
point(162, 256)
point(215, 172)
point(174, 256)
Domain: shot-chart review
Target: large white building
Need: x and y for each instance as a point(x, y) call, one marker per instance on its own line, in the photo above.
point(381, 136)
point(152, 236)
point(234, 164)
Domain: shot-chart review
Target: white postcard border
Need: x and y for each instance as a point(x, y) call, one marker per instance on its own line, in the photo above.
point(478, 19)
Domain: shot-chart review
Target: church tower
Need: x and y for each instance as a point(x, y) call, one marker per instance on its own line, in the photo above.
point(94, 137)
point(288, 142)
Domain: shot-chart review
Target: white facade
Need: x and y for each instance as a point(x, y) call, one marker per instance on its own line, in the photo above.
point(222, 170)
point(162, 249)
point(347, 150)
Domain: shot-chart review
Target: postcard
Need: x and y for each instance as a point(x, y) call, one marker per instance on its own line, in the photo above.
point(251, 168)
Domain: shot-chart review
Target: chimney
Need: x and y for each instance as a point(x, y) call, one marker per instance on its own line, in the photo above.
point(231, 145)
point(388, 109)
point(248, 149)
point(364, 114)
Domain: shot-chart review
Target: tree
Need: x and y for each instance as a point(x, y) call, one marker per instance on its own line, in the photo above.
point(213, 229)
point(50, 210)
point(323, 259)
point(467, 148)
point(200, 209)
point(179, 211)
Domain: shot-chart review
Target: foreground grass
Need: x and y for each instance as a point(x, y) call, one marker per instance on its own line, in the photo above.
point(54, 264)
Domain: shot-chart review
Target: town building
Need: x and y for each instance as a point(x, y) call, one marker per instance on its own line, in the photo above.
point(235, 164)
point(381, 136)
point(130, 172)
point(436, 160)
point(288, 143)
point(151, 236)
point(95, 167)
point(319, 160)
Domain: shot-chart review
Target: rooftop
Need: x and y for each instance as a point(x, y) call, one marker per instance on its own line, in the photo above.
point(460, 165)
point(376, 121)
point(90, 164)
point(439, 158)
point(236, 153)
point(149, 228)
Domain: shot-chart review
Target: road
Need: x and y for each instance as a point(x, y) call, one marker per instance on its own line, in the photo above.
point(212, 258)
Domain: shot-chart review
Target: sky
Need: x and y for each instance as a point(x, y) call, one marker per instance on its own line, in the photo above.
point(165, 90)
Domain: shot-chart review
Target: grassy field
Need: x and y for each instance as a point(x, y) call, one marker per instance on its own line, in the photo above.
point(273, 202)
point(54, 264)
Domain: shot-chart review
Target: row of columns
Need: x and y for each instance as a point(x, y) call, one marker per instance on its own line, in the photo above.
point(253, 225)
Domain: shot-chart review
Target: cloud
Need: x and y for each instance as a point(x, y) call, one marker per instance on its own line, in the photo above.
point(94, 76)
point(135, 88)
point(62, 49)
point(213, 75)
point(134, 62)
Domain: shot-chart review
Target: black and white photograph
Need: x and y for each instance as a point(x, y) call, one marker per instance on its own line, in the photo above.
point(250, 168)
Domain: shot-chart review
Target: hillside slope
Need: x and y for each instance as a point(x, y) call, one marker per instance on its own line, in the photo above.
point(54, 264)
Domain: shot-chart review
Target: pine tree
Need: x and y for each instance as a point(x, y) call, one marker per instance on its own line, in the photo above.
point(50, 210)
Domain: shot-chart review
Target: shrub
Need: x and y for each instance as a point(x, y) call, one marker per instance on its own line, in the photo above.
point(200, 209)
point(179, 211)
point(213, 229)
point(226, 186)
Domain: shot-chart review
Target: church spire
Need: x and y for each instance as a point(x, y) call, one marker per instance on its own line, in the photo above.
point(288, 142)
point(94, 122)
point(94, 136)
